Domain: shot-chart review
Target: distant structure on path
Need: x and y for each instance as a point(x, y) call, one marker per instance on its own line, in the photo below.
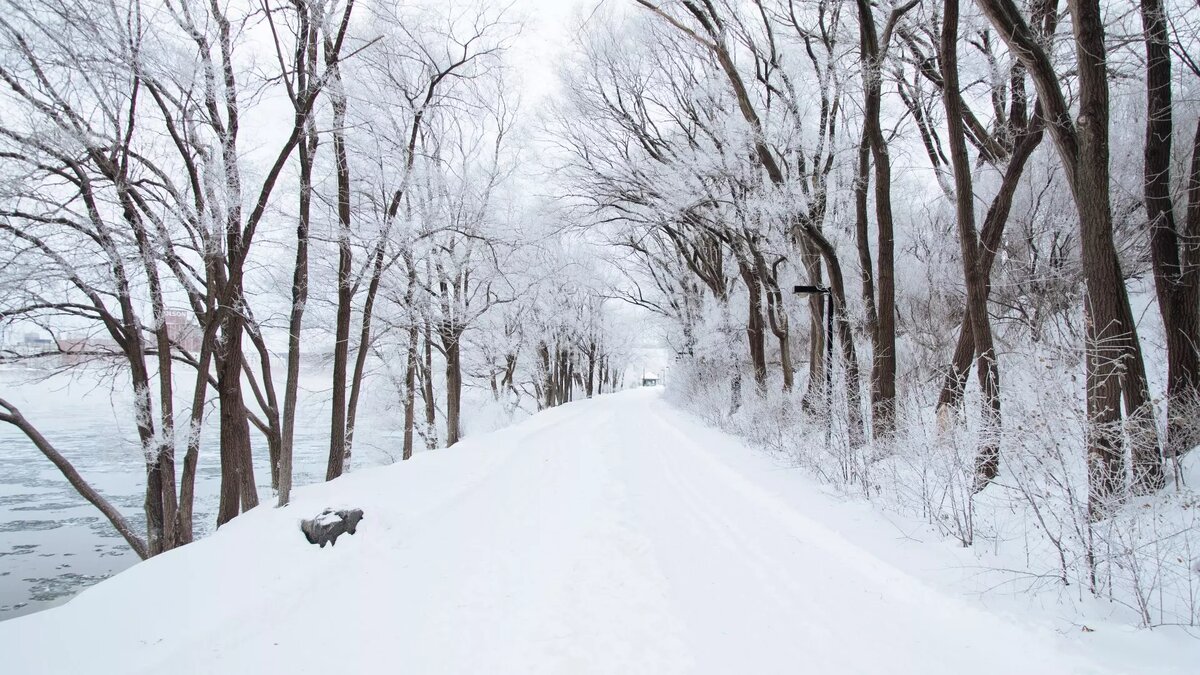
point(649, 380)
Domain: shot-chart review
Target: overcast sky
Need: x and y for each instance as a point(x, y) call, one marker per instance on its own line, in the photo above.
point(550, 27)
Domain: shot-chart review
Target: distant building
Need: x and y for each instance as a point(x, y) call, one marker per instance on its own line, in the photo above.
point(649, 380)
point(37, 341)
point(182, 332)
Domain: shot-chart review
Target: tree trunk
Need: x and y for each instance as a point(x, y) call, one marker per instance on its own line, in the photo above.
point(991, 237)
point(755, 328)
point(451, 336)
point(306, 66)
point(591, 368)
point(987, 459)
point(410, 393)
point(1114, 352)
point(345, 284)
point(427, 392)
point(187, 481)
point(1112, 339)
point(862, 232)
point(364, 343)
point(164, 491)
point(777, 319)
point(883, 370)
point(547, 376)
point(1182, 430)
point(410, 360)
point(307, 152)
point(1114, 364)
point(264, 393)
point(1176, 286)
point(238, 492)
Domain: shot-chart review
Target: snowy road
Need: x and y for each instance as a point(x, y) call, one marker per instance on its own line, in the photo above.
point(609, 536)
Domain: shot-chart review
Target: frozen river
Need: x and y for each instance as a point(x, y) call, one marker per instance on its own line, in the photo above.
point(53, 543)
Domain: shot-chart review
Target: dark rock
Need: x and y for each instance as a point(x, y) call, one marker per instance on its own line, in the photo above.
point(351, 518)
point(329, 525)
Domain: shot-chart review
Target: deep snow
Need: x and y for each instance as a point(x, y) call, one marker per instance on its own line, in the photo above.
point(614, 535)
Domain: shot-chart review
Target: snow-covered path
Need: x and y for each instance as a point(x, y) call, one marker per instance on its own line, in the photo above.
point(609, 536)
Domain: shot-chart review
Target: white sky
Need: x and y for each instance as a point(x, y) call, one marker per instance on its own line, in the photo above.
point(546, 39)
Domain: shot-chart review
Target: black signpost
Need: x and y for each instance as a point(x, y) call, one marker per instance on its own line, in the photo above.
point(808, 290)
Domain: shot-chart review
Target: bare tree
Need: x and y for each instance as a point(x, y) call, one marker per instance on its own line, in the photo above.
point(1114, 362)
point(987, 463)
point(873, 48)
point(1173, 252)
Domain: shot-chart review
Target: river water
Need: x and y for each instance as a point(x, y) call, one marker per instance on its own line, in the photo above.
point(53, 543)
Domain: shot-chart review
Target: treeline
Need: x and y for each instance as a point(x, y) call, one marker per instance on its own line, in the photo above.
point(292, 177)
point(945, 172)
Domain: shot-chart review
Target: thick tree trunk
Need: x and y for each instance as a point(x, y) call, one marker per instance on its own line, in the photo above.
point(987, 459)
point(1113, 356)
point(1183, 432)
point(547, 376)
point(1114, 352)
point(591, 368)
point(755, 328)
point(1177, 286)
point(883, 370)
point(862, 183)
point(160, 501)
point(410, 360)
point(164, 491)
point(1114, 364)
point(451, 336)
point(238, 492)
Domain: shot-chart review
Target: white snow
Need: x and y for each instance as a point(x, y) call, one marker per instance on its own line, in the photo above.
point(616, 535)
point(328, 518)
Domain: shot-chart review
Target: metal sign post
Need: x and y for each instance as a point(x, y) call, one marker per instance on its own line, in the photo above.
point(806, 290)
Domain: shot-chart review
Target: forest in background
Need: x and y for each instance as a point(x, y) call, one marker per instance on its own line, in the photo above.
point(197, 196)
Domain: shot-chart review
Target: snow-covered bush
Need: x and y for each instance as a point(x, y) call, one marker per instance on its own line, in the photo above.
point(1031, 527)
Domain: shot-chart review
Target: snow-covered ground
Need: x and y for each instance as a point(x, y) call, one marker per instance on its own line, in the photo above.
point(615, 535)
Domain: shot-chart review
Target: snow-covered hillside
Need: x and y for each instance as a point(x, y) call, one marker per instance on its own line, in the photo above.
point(616, 535)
